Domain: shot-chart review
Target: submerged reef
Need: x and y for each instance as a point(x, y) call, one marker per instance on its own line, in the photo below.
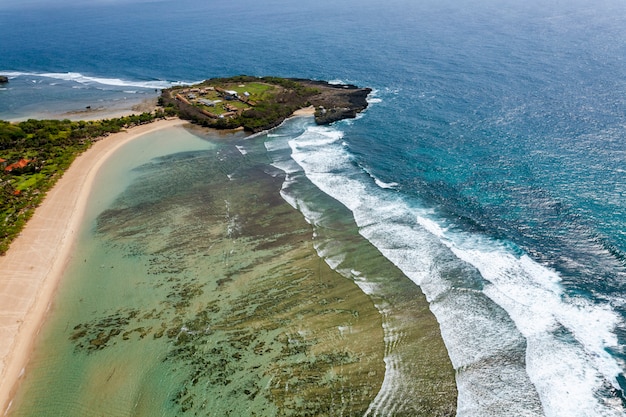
point(246, 315)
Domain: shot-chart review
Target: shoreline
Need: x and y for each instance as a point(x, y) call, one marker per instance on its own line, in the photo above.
point(98, 111)
point(109, 112)
point(305, 111)
point(37, 259)
point(335, 339)
point(38, 283)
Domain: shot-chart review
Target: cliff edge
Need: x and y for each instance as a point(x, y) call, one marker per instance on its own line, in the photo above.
point(261, 103)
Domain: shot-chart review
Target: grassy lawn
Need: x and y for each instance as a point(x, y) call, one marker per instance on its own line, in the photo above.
point(217, 109)
point(257, 90)
point(237, 104)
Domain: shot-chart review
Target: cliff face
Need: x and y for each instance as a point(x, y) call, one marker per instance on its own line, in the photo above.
point(270, 101)
point(337, 101)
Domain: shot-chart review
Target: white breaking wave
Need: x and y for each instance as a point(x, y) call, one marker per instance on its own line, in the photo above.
point(482, 317)
point(395, 387)
point(331, 252)
point(373, 98)
point(90, 80)
point(381, 184)
point(241, 150)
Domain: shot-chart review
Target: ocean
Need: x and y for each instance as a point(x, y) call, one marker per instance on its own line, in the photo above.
point(487, 172)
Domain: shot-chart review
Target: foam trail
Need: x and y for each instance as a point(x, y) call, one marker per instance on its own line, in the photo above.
point(241, 150)
point(532, 297)
point(510, 331)
point(397, 389)
point(91, 80)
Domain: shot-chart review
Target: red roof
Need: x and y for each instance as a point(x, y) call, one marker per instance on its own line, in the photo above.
point(19, 164)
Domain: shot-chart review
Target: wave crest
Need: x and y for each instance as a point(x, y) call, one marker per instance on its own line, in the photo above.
point(94, 80)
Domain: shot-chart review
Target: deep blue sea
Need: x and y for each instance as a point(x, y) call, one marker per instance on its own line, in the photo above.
point(490, 166)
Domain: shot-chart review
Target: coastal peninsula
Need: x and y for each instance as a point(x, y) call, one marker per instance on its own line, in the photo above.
point(256, 104)
point(233, 283)
point(34, 153)
point(248, 102)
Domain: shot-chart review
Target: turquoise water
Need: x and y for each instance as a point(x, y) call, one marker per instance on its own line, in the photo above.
point(195, 289)
point(90, 291)
point(488, 168)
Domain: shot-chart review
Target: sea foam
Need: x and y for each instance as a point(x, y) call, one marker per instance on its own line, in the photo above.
point(494, 306)
point(93, 80)
point(354, 195)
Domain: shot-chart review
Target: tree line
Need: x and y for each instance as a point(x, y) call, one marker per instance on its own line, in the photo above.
point(35, 153)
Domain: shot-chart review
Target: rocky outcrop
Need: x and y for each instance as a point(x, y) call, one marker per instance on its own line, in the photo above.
point(283, 96)
point(4, 79)
point(325, 116)
point(335, 102)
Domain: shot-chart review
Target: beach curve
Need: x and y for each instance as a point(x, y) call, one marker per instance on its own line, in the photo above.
point(36, 260)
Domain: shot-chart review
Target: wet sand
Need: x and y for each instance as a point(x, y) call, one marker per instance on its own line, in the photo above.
point(209, 296)
point(35, 262)
point(109, 112)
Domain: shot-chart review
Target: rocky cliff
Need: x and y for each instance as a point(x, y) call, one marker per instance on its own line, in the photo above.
point(226, 103)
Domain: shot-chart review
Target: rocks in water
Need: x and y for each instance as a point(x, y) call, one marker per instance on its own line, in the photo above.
point(336, 102)
point(325, 116)
point(4, 79)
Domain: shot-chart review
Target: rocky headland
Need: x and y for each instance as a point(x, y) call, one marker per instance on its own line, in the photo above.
point(257, 104)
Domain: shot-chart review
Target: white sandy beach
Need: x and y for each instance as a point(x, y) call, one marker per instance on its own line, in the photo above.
point(35, 262)
point(306, 111)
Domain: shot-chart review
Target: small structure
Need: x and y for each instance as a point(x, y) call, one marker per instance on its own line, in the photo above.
point(210, 103)
point(21, 164)
point(179, 97)
point(231, 95)
point(209, 114)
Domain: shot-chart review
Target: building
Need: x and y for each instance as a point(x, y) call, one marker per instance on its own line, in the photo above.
point(210, 103)
point(21, 164)
point(231, 95)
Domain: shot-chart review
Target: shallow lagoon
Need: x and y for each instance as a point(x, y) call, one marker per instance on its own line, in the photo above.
point(195, 288)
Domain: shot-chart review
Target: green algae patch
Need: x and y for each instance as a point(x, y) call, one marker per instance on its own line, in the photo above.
point(201, 292)
point(249, 318)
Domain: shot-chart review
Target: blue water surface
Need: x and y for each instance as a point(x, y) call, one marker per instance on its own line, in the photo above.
point(505, 119)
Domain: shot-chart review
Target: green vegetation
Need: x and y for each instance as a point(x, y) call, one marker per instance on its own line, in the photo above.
point(260, 103)
point(35, 153)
